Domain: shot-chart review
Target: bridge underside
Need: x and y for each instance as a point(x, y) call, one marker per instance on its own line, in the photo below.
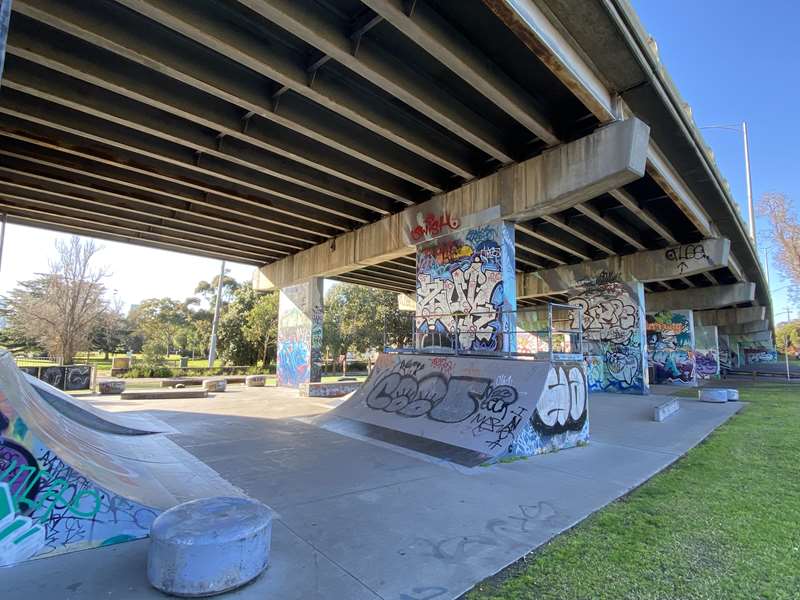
point(254, 130)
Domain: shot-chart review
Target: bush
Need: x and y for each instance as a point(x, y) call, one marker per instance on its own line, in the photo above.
point(145, 371)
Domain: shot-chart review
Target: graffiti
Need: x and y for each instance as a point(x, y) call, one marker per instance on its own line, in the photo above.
point(69, 378)
point(562, 406)
point(759, 355)
point(299, 348)
point(460, 290)
point(445, 365)
point(432, 225)
point(683, 254)
point(670, 345)
point(48, 507)
point(706, 364)
point(613, 333)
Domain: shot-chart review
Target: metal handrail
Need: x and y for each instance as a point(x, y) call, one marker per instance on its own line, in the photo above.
point(452, 337)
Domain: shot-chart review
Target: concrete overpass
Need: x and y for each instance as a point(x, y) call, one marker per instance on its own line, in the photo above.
point(303, 137)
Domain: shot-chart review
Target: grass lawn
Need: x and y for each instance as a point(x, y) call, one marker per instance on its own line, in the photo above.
point(723, 522)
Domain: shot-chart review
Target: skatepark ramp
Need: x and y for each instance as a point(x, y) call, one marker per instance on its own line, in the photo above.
point(74, 477)
point(469, 409)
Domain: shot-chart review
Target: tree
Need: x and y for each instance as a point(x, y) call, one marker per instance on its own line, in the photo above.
point(359, 318)
point(261, 325)
point(60, 309)
point(785, 233)
point(235, 346)
point(159, 321)
point(790, 331)
point(208, 290)
point(111, 331)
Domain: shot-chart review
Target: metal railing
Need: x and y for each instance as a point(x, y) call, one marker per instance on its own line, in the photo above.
point(544, 333)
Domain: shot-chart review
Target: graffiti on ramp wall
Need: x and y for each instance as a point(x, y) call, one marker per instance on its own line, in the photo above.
point(495, 407)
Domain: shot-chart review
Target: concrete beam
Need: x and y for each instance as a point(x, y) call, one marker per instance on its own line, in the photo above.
point(745, 328)
point(322, 29)
point(553, 181)
point(652, 265)
point(436, 36)
point(730, 316)
point(706, 298)
point(182, 61)
point(287, 69)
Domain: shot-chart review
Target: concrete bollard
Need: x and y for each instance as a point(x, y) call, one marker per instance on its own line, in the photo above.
point(713, 395)
point(214, 385)
point(255, 380)
point(209, 546)
point(111, 386)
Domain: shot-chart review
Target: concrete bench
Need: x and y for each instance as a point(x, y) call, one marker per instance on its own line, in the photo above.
point(733, 395)
point(215, 385)
point(181, 381)
point(330, 389)
point(111, 386)
point(209, 546)
point(163, 394)
point(255, 380)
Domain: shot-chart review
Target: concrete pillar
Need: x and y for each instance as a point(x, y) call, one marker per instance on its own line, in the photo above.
point(706, 351)
point(300, 312)
point(466, 285)
point(613, 334)
point(671, 347)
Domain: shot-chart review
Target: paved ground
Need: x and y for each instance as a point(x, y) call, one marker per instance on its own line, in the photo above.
point(360, 520)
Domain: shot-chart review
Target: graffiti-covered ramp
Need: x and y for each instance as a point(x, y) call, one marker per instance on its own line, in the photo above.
point(467, 409)
point(67, 483)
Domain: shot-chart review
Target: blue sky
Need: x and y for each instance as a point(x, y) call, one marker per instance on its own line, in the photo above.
point(732, 60)
point(736, 60)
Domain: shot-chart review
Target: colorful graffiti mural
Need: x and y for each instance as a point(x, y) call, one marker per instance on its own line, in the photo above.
point(300, 313)
point(47, 507)
point(706, 352)
point(613, 333)
point(491, 406)
point(466, 289)
point(671, 347)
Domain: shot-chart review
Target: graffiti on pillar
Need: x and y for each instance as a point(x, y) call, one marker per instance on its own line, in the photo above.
point(299, 334)
point(47, 507)
point(612, 333)
point(670, 346)
point(706, 352)
point(726, 360)
point(460, 290)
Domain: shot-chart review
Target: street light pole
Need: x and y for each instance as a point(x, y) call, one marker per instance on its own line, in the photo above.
point(212, 351)
point(750, 212)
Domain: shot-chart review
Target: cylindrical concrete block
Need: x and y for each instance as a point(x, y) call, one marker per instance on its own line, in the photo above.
point(209, 546)
point(255, 380)
point(111, 386)
point(714, 395)
point(733, 394)
point(214, 385)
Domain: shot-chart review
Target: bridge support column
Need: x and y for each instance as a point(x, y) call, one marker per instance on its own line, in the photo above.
point(466, 284)
point(614, 340)
point(671, 347)
point(706, 351)
point(300, 312)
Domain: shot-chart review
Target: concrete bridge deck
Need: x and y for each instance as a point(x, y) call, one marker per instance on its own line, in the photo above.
point(360, 521)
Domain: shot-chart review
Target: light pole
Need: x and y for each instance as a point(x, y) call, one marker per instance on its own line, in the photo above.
point(750, 209)
point(212, 351)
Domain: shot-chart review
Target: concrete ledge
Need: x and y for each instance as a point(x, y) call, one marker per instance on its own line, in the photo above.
point(163, 394)
point(666, 409)
point(172, 382)
point(328, 389)
point(111, 386)
point(215, 385)
point(255, 380)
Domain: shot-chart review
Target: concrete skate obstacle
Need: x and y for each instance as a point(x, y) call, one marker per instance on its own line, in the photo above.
point(209, 546)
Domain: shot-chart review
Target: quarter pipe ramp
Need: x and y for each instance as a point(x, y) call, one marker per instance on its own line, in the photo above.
point(482, 408)
point(73, 477)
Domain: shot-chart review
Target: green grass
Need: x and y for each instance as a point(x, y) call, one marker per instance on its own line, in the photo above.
point(722, 523)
